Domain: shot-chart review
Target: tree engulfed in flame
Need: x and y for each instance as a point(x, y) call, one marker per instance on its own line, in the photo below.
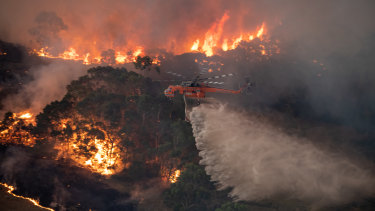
point(170, 174)
point(14, 129)
point(103, 155)
point(33, 201)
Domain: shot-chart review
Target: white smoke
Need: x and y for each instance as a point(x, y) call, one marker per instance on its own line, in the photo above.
point(260, 161)
point(49, 84)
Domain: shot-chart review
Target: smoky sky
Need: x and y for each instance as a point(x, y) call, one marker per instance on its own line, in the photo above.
point(49, 84)
point(317, 26)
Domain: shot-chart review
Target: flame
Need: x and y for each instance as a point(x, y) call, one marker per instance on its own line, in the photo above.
point(236, 42)
point(13, 132)
point(89, 58)
point(225, 45)
point(103, 156)
point(195, 45)
point(86, 59)
point(211, 41)
point(26, 115)
point(260, 31)
point(214, 36)
point(137, 52)
point(121, 58)
point(174, 177)
point(35, 202)
point(71, 54)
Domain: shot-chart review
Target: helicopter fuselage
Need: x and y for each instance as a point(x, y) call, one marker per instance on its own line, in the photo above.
point(195, 90)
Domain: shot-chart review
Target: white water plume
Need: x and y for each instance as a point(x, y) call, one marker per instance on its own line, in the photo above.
point(259, 161)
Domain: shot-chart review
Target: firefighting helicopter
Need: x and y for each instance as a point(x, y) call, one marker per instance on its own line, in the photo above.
point(198, 88)
point(193, 91)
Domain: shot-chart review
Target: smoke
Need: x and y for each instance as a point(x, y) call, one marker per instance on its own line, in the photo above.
point(340, 37)
point(49, 84)
point(318, 25)
point(15, 161)
point(260, 161)
point(46, 32)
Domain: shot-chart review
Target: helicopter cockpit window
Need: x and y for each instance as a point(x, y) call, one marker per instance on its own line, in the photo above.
point(194, 85)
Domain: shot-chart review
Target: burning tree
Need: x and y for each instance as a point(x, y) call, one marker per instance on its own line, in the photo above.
point(109, 118)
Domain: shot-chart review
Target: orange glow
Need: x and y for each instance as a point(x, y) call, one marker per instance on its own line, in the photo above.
point(236, 42)
point(25, 115)
point(33, 201)
point(103, 156)
point(13, 132)
point(71, 54)
point(213, 36)
point(260, 31)
point(213, 40)
point(88, 58)
point(225, 45)
point(120, 58)
point(174, 177)
point(195, 46)
point(138, 52)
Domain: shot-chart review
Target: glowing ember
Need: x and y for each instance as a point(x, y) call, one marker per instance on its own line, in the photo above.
point(102, 155)
point(26, 115)
point(14, 129)
point(174, 177)
point(35, 202)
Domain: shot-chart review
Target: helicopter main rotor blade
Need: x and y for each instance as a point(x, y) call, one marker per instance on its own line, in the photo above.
point(217, 76)
point(175, 74)
point(213, 82)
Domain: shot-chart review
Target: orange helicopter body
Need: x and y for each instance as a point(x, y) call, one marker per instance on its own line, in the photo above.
point(196, 90)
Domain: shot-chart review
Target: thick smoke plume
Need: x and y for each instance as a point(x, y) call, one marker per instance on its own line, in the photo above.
point(259, 161)
point(49, 84)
